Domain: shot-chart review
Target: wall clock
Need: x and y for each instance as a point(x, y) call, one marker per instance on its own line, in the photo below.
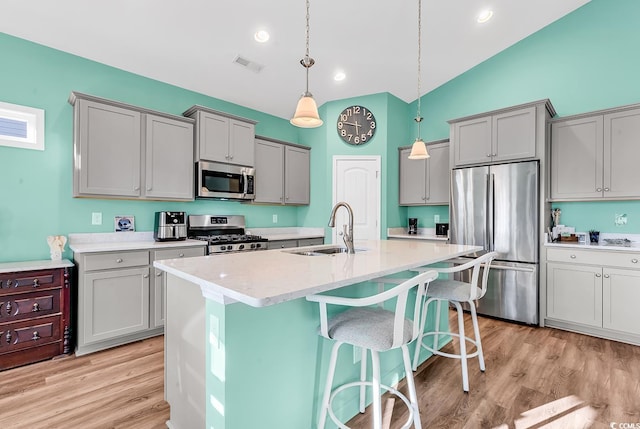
point(356, 125)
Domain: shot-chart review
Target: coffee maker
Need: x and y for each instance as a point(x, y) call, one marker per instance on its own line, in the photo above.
point(413, 226)
point(170, 226)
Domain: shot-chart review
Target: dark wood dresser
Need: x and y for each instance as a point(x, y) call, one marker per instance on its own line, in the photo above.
point(35, 311)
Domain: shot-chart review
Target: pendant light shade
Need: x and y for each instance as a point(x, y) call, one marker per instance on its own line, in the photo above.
point(306, 115)
point(419, 149)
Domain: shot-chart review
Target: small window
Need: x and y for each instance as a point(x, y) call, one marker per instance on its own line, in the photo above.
point(21, 126)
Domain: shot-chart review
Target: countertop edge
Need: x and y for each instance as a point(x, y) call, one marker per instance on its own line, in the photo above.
point(8, 267)
point(593, 247)
point(132, 245)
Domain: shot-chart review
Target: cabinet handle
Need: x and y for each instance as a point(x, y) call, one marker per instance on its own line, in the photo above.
point(36, 307)
point(598, 189)
point(36, 282)
point(606, 276)
point(36, 336)
point(136, 188)
point(146, 276)
point(573, 256)
point(181, 255)
point(634, 261)
point(119, 260)
point(226, 157)
point(488, 155)
point(597, 274)
point(230, 156)
point(493, 154)
point(159, 274)
point(606, 189)
point(148, 189)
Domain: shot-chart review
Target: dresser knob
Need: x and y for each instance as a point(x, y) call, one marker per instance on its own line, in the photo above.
point(36, 307)
point(573, 256)
point(634, 261)
point(119, 260)
point(36, 282)
point(36, 336)
point(8, 337)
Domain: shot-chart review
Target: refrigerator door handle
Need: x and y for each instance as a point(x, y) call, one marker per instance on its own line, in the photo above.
point(490, 209)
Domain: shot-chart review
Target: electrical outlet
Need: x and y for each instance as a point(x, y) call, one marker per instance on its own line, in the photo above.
point(436, 218)
point(96, 218)
point(275, 218)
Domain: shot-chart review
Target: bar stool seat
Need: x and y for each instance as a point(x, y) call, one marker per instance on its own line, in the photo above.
point(367, 324)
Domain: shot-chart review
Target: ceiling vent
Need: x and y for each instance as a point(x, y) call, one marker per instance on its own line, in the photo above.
point(248, 64)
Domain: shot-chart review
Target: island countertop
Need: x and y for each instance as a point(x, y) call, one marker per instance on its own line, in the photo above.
point(269, 277)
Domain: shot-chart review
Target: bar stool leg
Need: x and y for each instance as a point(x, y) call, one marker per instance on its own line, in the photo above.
point(435, 337)
point(463, 347)
point(324, 409)
point(423, 322)
point(377, 400)
point(476, 331)
point(412, 387)
point(363, 378)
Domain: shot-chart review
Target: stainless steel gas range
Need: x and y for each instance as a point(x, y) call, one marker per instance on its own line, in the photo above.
point(224, 233)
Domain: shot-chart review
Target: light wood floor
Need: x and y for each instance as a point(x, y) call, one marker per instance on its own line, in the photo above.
point(536, 377)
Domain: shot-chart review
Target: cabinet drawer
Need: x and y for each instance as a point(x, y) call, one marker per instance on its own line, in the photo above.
point(29, 333)
point(106, 261)
point(310, 242)
point(27, 281)
point(282, 244)
point(174, 253)
point(578, 256)
point(29, 305)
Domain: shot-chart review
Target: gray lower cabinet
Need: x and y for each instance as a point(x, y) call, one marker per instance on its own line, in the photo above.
point(425, 181)
point(121, 151)
point(117, 301)
point(594, 292)
point(282, 173)
point(284, 244)
point(593, 156)
point(222, 137)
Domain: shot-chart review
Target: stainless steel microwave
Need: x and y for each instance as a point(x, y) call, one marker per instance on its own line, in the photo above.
point(224, 181)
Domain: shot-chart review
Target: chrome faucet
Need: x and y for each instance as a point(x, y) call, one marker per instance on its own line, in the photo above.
point(347, 231)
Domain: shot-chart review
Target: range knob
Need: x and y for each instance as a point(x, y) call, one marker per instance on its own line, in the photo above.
point(223, 247)
point(253, 246)
point(258, 245)
point(240, 247)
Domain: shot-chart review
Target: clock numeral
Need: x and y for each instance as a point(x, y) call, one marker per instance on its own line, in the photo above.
point(340, 125)
point(369, 116)
point(356, 110)
point(343, 117)
point(350, 136)
point(343, 132)
point(373, 125)
point(356, 139)
point(370, 133)
point(363, 138)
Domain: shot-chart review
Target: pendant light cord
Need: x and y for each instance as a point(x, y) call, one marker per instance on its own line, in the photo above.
point(418, 117)
point(307, 61)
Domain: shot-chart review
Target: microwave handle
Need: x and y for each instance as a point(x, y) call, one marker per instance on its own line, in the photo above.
point(245, 182)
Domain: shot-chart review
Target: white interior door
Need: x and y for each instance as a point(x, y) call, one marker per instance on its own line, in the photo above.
point(356, 181)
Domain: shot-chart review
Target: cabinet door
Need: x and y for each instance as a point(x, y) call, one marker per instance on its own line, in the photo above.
point(241, 143)
point(115, 303)
point(472, 141)
point(169, 158)
point(413, 179)
point(620, 298)
point(108, 146)
point(514, 135)
point(576, 158)
point(621, 154)
point(574, 293)
point(213, 137)
point(269, 175)
point(437, 187)
point(296, 175)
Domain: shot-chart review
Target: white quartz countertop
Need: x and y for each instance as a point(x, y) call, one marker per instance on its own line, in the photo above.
point(119, 241)
point(8, 267)
point(596, 247)
point(291, 233)
point(269, 277)
point(423, 234)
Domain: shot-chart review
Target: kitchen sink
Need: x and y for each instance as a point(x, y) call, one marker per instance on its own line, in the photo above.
point(322, 251)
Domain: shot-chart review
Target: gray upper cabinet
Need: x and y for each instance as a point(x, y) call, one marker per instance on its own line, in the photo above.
point(221, 137)
point(503, 135)
point(593, 156)
point(282, 172)
point(425, 182)
point(121, 151)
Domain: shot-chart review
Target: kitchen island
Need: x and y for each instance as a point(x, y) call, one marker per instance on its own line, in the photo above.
point(241, 343)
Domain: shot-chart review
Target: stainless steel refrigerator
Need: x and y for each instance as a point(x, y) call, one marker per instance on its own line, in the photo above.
point(497, 207)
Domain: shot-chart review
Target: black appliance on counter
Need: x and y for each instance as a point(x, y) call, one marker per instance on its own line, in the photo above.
point(413, 226)
point(442, 229)
point(224, 233)
point(170, 226)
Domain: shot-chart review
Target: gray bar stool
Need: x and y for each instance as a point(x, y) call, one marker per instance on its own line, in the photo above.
point(369, 326)
point(456, 292)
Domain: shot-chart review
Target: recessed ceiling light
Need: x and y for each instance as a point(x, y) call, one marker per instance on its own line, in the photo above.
point(485, 16)
point(339, 76)
point(261, 36)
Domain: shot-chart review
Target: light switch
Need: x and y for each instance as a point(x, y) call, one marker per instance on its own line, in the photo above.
point(436, 218)
point(96, 218)
point(275, 218)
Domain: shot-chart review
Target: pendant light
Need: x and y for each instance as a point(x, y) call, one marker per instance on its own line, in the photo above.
point(306, 115)
point(419, 149)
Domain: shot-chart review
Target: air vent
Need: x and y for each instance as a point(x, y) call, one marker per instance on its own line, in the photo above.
point(248, 64)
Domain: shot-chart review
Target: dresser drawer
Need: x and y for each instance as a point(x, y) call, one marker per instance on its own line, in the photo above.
point(175, 253)
point(594, 257)
point(107, 261)
point(26, 281)
point(28, 305)
point(29, 333)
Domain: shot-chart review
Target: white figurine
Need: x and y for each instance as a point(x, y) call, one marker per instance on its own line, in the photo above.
point(56, 246)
